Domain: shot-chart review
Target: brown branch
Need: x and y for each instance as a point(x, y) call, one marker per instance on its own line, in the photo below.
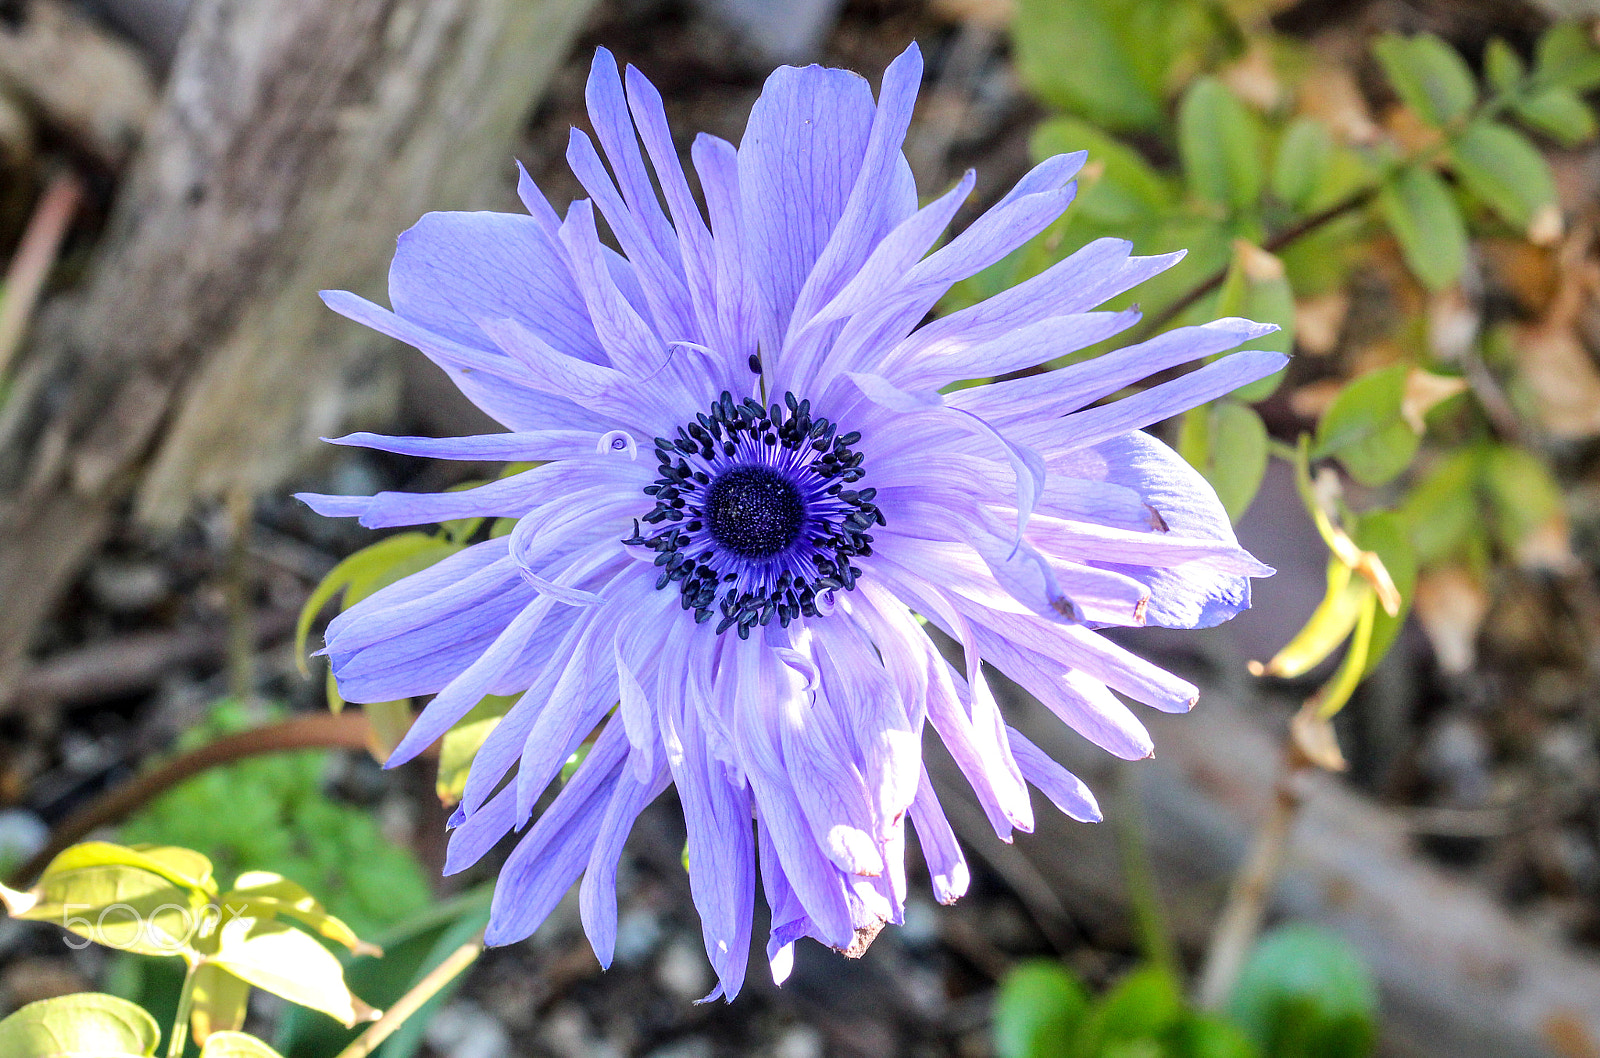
point(347, 730)
point(1278, 242)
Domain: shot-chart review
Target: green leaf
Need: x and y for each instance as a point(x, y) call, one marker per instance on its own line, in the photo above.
point(150, 901)
point(462, 742)
point(86, 1025)
point(365, 572)
point(1559, 113)
point(1566, 57)
point(1385, 533)
point(1038, 1011)
point(1202, 1036)
point(1441, 512)
point(1301, 161)
point(1428, 75)
point(1503, 66)
point(1522, 493)
point(1365, 429)
point(1227, 442)
point(288, 963)
point(1501, 167)
point(236, 1045)
point(1303, 993)
point(1075, 58)
point(1220, 144)
point(1424, 217)
point(264, 895)
point(1145, 1005)
point(220, 1002)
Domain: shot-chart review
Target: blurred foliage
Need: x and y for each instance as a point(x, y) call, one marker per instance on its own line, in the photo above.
point(1302, 994)
point(1209, 131)
point(270, 813)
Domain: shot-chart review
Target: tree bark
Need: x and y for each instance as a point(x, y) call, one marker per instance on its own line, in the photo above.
point(295, 140)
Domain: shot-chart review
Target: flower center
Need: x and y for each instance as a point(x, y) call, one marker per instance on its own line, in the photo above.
point(753, 511)
point(757, 521)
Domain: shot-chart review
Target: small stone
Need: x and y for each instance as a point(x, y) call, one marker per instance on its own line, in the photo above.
point(466, 1030)
point(799, 1041)
point(128, 587)
point(638, 933)
point(683, 972)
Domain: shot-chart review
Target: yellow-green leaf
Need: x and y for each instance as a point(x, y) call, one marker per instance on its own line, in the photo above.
point(147, 901)
point(220, 1002)
point(236, 1045)
point(1566, 57)
point(1558, 112)
point(1330, 624)
point(364, 572)
point(264, 895)
point(288, 963)
point(85, 1025)
point(462, 742)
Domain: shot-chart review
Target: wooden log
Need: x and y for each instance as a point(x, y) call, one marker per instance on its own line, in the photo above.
point(1461, 976)
point(295, 140)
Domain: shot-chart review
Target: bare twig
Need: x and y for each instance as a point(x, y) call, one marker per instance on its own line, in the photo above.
point(347, 730)
point(1278, 242)
point(454, 965)
point(41, 242)
point(1253, 887)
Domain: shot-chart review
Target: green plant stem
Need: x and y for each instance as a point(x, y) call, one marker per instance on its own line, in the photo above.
point(180, 1021)
point(1149, 921)
point(440, 976)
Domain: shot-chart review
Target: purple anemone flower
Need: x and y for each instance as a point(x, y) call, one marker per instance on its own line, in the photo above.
point(754, 486)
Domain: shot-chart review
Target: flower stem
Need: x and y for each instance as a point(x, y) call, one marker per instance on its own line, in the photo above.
point(437, 978)
point(179, 1037)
